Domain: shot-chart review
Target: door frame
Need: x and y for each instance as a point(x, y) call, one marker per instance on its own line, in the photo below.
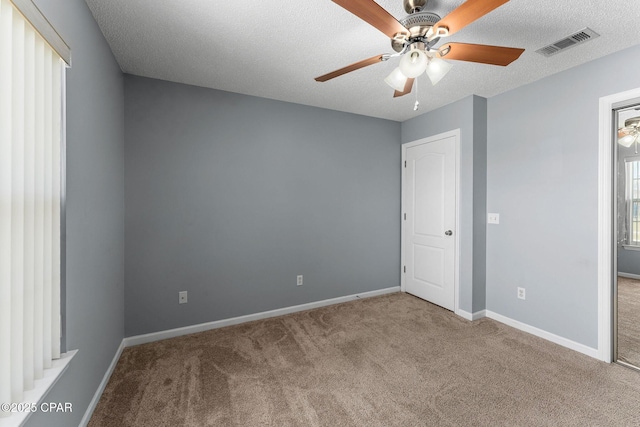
point(456, 275)
point(606, 249)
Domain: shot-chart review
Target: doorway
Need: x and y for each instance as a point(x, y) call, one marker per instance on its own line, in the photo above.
point(626, 295)
point(430, 239)
point(610, 107)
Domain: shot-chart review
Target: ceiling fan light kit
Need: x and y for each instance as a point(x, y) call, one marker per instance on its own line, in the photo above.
point(627, 140)
point(437, 69)
point(414, 37)
point(630, 133)
point(414, 62)
point(396, 79)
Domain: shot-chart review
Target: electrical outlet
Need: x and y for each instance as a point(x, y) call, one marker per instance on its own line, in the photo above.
point(299, 280)
point(182, 297)
point(521, 293)
point(493, 218)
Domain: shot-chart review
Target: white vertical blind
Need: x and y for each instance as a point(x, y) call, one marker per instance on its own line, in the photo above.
point(17, 207)
point(48, 205)
point(6, 26)
point(30, 179)
point(29, 158)
point(38, 209)
point(56, 198)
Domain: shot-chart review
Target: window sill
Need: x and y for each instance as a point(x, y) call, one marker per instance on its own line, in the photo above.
point(42, 387)
point(631, 247)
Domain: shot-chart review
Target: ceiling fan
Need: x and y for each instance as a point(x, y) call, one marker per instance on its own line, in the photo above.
point(630, 133)
point(414, 38)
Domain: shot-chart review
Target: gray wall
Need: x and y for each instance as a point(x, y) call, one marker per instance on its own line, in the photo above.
point(468, 115)
point(95, 210)
point(479, 203)
point(628, 261)
point(543, 180)
point(229, 197)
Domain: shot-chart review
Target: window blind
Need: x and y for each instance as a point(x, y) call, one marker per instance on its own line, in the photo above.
point(30, 193)
point(633, 200)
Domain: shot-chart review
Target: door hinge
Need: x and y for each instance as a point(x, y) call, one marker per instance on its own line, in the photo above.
point(405, 163)
point(405, 269)
point(405, 217)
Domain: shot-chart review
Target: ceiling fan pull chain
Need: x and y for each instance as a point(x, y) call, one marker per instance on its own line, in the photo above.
point(417, 104)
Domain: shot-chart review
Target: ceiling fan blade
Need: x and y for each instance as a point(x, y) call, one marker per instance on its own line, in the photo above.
point(407, 89)
point(482, 53)
point(466, 13)
point(349, 68)
point(374, 14)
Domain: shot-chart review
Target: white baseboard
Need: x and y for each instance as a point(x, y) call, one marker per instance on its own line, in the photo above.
point(529, 329)
point(171, 333)
point(101, 387)
point(629, 275)
point(472, 316)
point(565, 342)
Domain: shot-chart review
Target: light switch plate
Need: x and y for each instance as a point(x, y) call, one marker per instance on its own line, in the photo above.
point(493, 218)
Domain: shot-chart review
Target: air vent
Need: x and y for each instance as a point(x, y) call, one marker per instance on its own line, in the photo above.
point(580, 37)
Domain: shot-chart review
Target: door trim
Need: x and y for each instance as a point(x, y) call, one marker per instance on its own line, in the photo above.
point(605, 219)
point(456, 275)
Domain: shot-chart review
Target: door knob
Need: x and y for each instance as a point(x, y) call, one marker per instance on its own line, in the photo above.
point(448, 233)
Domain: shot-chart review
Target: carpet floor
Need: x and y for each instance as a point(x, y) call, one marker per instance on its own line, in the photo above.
point(629, 321)
point(393, 360)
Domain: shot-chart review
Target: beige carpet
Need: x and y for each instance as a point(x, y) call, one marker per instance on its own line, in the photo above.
point(393, 360)
point(629, 321)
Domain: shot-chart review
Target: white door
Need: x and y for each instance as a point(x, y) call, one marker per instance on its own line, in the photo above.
point(429, 234)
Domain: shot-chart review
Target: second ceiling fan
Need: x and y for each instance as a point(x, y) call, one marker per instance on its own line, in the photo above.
point(414, 38)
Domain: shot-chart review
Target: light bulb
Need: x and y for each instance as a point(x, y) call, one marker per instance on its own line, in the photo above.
point(437, 69)
point(396, 80)
point(627, 140)
point(413, 63)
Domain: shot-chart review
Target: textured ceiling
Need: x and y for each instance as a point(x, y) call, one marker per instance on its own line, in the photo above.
point(275, 48)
